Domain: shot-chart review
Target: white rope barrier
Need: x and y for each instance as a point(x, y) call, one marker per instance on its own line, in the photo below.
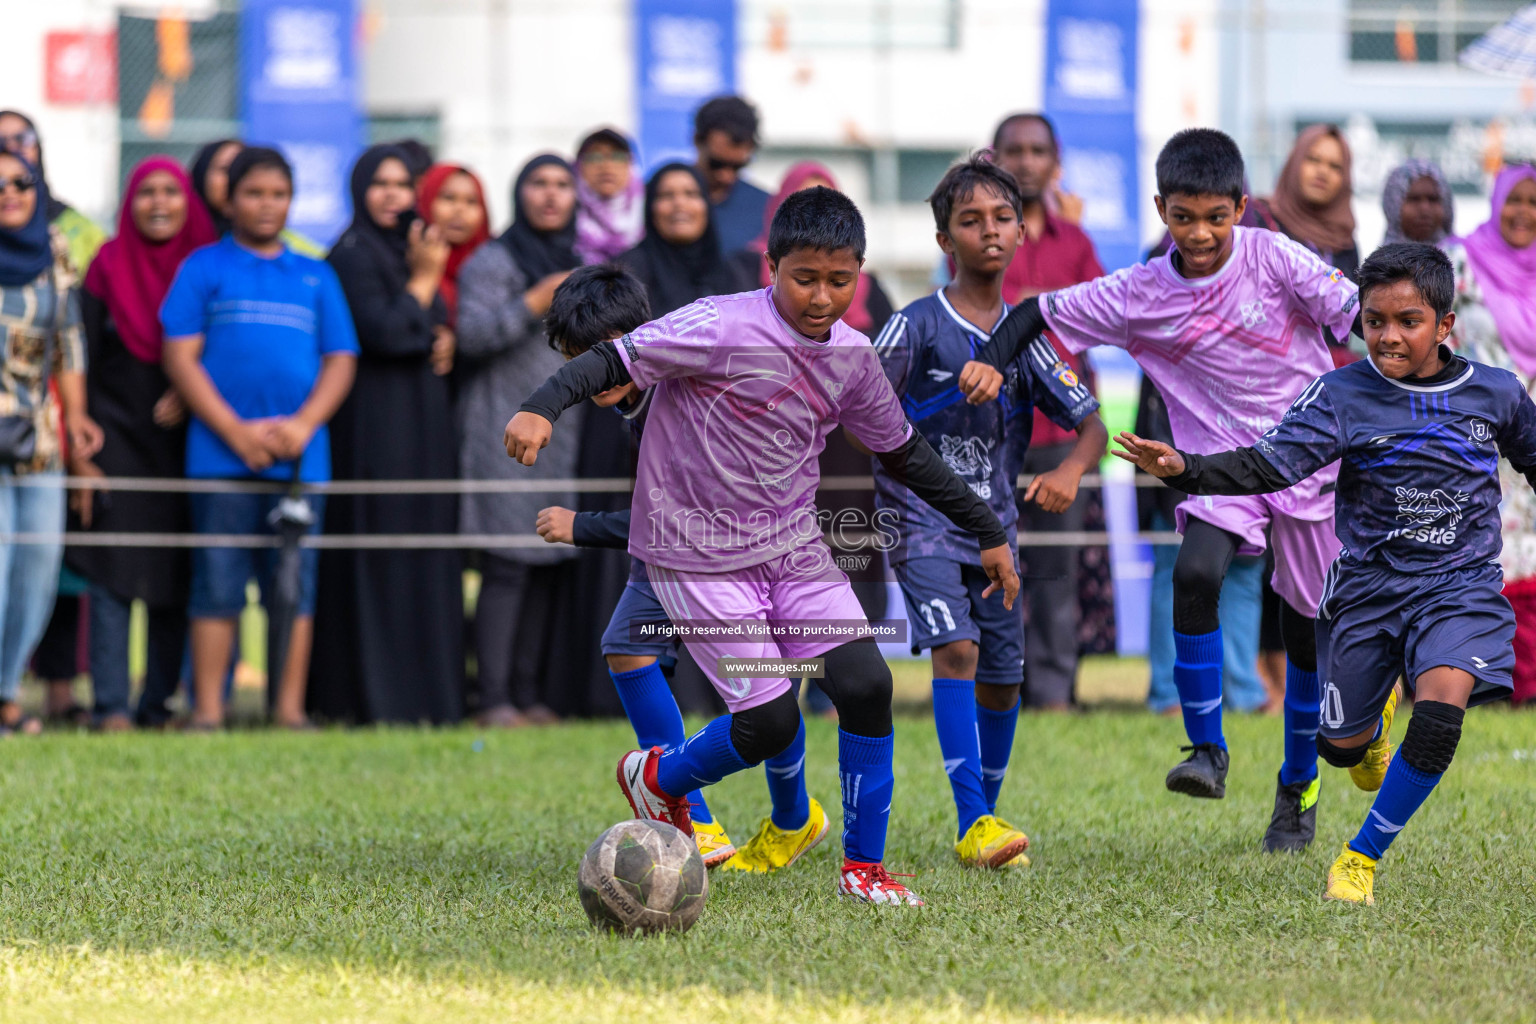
point(447, 541)
point(594, 485)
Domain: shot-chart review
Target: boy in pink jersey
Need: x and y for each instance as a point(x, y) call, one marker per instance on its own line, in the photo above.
point(1229, 324)
point(747, 387)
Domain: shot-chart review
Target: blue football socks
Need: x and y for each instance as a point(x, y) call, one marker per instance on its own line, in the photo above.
point(1302, 695)
point(703, 759)
point(1402, 792)
point(652, 712)
point(864, 765)
point(786, 784)
point(995, 730)
point(1197, 674)
point(954, 715)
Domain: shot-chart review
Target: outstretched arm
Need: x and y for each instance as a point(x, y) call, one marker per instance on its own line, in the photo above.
point(1241, 471)
point(917, 467)
point(591, 373)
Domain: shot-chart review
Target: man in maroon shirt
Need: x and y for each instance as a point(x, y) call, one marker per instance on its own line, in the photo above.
point(1056, 253)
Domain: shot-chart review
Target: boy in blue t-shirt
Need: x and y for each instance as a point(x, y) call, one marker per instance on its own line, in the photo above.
point(259, 343)
point(1417, 589)
point(977, 645)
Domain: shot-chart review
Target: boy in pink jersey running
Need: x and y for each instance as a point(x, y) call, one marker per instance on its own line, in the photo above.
point(747, 387)
point(1230, 327)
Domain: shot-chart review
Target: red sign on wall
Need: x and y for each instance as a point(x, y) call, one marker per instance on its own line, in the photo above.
point(80, 67)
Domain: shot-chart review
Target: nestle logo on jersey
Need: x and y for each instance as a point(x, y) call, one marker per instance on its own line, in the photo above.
point(1424, 512)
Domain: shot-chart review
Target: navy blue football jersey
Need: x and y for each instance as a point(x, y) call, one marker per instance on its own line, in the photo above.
point(923, 349)
point(1418, 485)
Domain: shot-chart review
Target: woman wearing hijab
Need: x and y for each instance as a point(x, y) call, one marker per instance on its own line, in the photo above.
point(83, 236)
point(41, 334)
point(679, 259)
point(1311, 204)
point(144, 435)
point(1496, 324)
point(504, 291)
point(449, 198)
point(389, 623)
point(1417, 201)
point(610, 198)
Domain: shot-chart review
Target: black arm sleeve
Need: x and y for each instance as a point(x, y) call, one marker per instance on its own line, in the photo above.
point(917, 467)
point(1240, 471)
point(1023, 324)
point(593, 372)
point(601, 529)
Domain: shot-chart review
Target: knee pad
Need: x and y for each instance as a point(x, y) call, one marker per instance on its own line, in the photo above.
point(859, 682)
point(761, 732)
point(1299, 633)
point(1432, 736)
point(1340, 757)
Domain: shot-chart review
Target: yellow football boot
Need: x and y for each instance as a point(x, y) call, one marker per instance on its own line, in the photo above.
point(992, 843)
point(774, 848)
point(1351, 877)
point(1372, 769)
point(714, 845)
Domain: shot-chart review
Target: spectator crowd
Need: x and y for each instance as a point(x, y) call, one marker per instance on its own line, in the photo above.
point(206, 341)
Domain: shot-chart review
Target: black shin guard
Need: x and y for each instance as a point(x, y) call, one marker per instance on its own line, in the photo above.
point(1432, 736)
point(761, 732)
point(859, 683)
point(1340, 757)
point(1299, 633)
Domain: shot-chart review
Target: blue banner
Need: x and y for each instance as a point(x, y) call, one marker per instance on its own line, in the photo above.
point(1090, 95)
point(685, 53)
point(300, 93)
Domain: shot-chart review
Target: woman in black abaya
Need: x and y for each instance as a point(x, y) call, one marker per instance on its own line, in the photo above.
point(389, 623)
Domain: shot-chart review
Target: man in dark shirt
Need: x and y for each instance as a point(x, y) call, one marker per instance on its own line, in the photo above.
point(725, 135)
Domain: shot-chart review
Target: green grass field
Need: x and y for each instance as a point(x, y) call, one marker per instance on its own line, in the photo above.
point(429, 876)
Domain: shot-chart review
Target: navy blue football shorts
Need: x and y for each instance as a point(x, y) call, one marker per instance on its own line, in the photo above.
point(638, 608)
point(1375, 624)
point(944, 604)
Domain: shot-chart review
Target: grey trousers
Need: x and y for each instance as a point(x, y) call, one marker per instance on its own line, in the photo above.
point(1051, 586)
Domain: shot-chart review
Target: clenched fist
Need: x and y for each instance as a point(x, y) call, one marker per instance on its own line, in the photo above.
point(526, 433)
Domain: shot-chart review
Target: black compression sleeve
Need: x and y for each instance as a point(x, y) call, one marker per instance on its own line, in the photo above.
point(593, 372)
point(917, 467)
point(1241, 471)
point(601, 529)
point(1023, 324)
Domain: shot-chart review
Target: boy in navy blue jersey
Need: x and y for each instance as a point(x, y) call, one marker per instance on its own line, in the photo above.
point(1417, 588)
point(599, 304)
point(977, 645)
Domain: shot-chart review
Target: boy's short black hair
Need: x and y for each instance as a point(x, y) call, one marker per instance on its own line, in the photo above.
point(1425, 265)
point(1011, 119)
point(729, 114)
point(962, 180)
point(595, 304)
point(816, 218)
point(1200, 162)
point(252, 157)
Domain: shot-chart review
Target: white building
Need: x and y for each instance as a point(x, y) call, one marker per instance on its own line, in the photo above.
point(886, 92)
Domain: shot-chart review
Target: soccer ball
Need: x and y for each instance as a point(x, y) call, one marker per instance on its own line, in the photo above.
point(643, 876)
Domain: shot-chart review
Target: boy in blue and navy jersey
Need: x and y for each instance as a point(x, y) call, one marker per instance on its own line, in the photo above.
point(599, 304)
point(1417, 589)
point(977, 645)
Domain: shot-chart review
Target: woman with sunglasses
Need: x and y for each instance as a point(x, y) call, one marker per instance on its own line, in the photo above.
point(84, 236)
point(40, 331)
